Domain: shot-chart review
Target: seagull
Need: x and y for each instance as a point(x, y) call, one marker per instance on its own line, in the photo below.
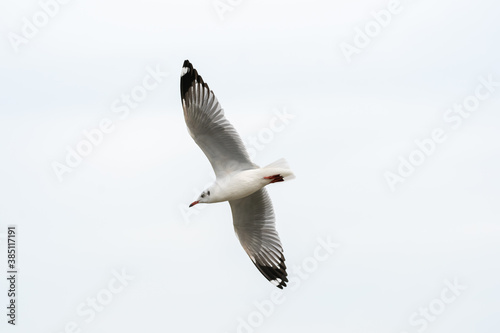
point(238, 180)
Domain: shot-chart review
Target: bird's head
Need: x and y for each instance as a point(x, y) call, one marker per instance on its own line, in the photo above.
point(203, 198)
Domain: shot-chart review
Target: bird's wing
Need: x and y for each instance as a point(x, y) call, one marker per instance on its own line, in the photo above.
point(254, 223)
point(208, 127)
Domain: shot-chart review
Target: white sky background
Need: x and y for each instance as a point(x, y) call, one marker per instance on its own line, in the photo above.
point(120, 208)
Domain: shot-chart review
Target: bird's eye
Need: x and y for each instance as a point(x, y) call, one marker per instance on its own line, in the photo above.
point(208, 192)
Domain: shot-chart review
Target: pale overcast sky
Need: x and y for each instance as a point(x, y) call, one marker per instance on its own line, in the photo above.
point(386, 111)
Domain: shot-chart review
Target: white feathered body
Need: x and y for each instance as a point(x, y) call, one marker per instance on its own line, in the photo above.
point(241, 184)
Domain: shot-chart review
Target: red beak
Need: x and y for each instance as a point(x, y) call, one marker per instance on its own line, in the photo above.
point(194, 203)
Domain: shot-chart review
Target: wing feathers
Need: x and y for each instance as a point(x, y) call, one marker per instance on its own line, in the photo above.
point(253, 216)
point(208, 126)
point(254, 224)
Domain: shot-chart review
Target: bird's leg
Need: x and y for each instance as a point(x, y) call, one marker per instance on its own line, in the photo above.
point(275, 178)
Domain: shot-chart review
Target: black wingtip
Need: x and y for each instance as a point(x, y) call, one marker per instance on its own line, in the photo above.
point(277, 275)
point(189, 75)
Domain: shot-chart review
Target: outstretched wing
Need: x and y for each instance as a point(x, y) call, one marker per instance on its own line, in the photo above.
point(254, 223)
point(208, 127)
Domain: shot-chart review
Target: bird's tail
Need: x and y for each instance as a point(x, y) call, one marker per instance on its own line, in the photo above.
point(281, 168)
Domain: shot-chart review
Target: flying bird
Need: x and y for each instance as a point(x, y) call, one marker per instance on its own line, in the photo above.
point(238, 180)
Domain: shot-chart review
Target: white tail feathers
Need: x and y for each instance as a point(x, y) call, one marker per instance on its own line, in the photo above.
point(282, 168)
point(281, 163)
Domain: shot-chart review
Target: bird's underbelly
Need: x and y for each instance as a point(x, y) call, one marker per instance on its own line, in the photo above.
point(241, 185)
